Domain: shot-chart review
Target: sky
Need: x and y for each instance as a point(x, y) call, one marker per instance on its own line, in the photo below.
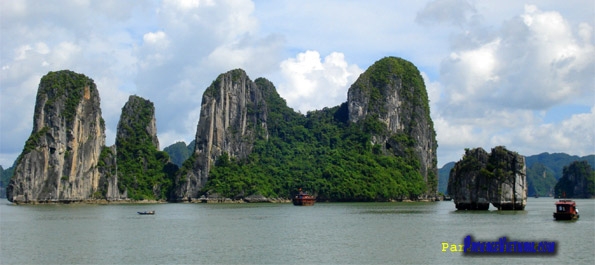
point(508, 73)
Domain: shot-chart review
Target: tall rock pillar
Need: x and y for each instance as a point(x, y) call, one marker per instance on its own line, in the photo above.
point(391, 101)
point(233, 113)
point(58, 162)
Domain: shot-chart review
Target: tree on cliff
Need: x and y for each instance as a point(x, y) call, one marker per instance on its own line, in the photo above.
point(578, 181)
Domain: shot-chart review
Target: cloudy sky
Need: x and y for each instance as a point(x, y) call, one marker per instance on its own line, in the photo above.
point(509, 72)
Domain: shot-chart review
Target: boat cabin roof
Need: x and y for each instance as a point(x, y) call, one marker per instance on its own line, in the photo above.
point(565, 202)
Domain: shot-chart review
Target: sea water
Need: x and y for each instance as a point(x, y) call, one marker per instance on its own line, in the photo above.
point(326, 233)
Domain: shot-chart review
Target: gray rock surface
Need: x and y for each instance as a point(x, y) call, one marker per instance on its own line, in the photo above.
point(481, 178)
point(233, 113)
point(392, 91)
point(59, 160)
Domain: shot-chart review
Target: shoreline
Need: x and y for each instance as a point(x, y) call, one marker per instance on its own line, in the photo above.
point(217, 200)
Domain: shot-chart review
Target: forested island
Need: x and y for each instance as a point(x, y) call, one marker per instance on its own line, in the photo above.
point(380, 145)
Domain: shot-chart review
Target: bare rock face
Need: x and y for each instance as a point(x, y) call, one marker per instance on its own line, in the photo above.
point(233, 115)
point(58, 162)
point(480, 178)
point(391, 100)
point(465, 185)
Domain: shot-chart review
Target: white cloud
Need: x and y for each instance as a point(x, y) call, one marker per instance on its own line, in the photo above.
point(255, 55)
point(157, 39)
point(113, 99)
point(434, 90)
point(497, 86)
point(38, 37)
point(534, 62)
point(186, 5)
point(312, 83)
point(197, 41)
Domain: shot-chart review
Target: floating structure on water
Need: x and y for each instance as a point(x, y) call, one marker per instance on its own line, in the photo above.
point(566, 210)
point(303, 199)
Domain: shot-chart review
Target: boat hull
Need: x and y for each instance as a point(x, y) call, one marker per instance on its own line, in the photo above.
point(566, 216)
point(303, 201)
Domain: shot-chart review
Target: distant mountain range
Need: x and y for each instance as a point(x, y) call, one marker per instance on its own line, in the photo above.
point(543, 172)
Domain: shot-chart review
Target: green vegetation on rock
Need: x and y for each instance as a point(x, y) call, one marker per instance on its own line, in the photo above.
point(64, 85)
point(143, 170)
point(322, 153)
point(33, 140)
point(390, 69)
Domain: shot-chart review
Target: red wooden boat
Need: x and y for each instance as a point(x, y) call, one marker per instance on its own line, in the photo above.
point(566, 210)
point(303, 199)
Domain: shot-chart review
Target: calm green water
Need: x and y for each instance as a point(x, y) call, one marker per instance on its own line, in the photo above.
point(327, 233)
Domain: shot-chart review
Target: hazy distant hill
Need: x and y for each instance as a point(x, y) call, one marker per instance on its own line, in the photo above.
point(5, 175)
point(179, 152)
point(557, 161)
point(443, 173)
point(543, 171)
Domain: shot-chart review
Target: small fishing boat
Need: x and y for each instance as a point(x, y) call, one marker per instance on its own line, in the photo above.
point(303, 199)
point(147, 213)
point(566, 210)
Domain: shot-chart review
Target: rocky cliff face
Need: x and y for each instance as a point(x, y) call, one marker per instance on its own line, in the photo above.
point(58, 162)
point(393, 93)
point(108, 184)
point(233, 114)
point(480, 178)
